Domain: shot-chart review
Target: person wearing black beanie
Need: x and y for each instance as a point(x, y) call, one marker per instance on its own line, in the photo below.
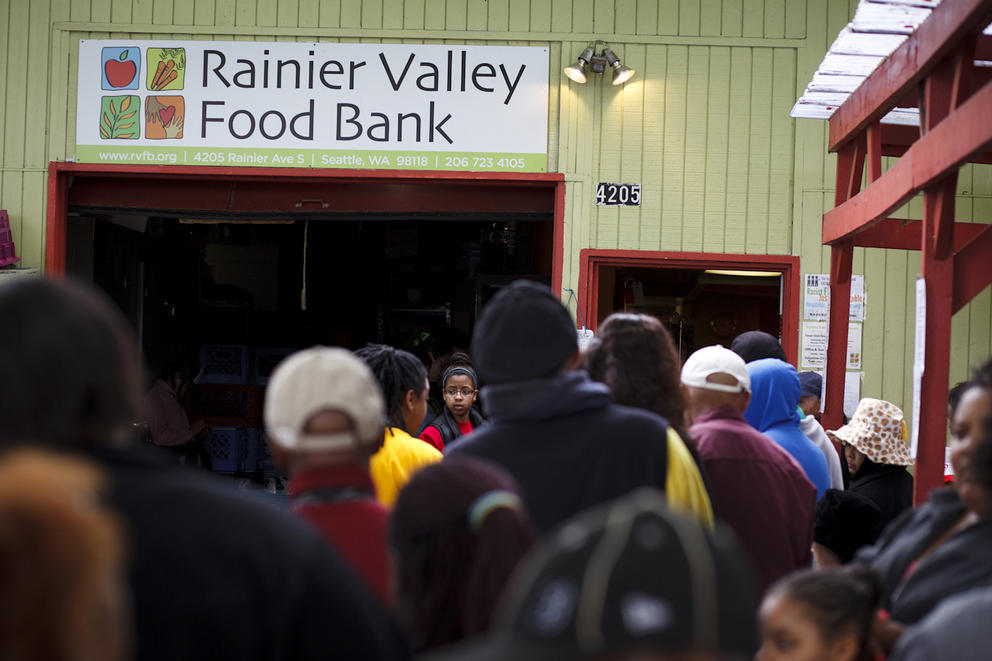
point(844, 522)
point(557, 432)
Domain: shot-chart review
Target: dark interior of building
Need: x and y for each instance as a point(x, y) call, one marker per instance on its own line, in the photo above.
point(699, 307)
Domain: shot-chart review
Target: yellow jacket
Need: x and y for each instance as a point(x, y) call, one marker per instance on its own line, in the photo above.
point(400, 456)
point(684, 486)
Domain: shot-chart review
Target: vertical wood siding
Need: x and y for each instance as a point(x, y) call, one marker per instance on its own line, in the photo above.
point(703, 126)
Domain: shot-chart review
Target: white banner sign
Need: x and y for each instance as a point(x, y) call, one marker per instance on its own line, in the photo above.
point(324, 105)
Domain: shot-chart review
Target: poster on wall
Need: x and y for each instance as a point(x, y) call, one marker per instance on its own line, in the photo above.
point(814, 345)
point(816, 298)
point(313, 105)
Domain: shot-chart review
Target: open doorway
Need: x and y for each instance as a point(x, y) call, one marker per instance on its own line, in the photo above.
point(702, 298)
point(238, 267)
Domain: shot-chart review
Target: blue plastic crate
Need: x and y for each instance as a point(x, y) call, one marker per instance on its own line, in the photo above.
point(228, 448)
point(224, 364)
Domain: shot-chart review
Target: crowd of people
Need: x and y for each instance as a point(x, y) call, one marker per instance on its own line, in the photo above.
point(518, 499)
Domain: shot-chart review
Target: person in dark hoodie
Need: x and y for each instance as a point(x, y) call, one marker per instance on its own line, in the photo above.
point(558, 433)
point(774, 411)
point(213, 574)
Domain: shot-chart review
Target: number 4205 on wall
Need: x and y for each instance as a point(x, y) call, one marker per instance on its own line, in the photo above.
point(622, 195)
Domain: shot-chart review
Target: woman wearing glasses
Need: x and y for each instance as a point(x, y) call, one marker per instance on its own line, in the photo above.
point(460, 388)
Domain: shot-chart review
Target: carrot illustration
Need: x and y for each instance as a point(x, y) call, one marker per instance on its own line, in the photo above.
point(168, 79)
point(167, 76)
point(158, 72)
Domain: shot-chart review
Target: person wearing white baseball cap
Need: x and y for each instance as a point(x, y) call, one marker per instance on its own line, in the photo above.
point(324, 416)
point(757, 488)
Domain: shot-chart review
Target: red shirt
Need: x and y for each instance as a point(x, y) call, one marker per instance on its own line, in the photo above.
point(340, 501)
point(759, 490)
point(432, 434)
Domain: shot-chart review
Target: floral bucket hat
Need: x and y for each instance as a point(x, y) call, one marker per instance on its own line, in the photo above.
point(878, 431)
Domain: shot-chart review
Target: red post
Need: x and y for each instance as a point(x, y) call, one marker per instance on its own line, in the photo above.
point(850, 168)
point(938, 274)
point(55, 222)
point(841, 258)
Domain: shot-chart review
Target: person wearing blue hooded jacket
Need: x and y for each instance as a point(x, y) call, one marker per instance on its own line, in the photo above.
point(774, 412)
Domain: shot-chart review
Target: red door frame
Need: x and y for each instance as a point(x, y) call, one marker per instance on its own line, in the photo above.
point(60, 173)
point(591, 260)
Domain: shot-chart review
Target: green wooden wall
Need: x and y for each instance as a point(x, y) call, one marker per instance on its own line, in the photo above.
point(703, 126)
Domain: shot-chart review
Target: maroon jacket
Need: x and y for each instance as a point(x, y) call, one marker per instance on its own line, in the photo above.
point(759, 490)
point(340, 501)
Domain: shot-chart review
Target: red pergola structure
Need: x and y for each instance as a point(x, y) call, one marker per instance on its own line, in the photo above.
point(937, 64)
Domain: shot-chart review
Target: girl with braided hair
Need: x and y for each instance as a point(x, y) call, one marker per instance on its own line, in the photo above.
point(403, 381)
point(460, 388)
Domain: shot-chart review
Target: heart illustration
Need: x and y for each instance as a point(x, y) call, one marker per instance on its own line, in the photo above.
point(166, 115)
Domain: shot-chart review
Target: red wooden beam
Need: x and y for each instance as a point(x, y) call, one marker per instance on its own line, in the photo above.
point(874, 153)
point(938, 275)
point(229, 173)
point(965, 132)
point(899, 234)
point(558, 240)
point(55, 223)
point(916, 57)
point(850, 168)
point(972, 266)
point(841, 261)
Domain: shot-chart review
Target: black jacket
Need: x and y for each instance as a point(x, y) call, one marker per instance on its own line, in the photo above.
point(960, 562)
point(567, 445)
point(218, 575)
point(889, 487)
point(447, 426)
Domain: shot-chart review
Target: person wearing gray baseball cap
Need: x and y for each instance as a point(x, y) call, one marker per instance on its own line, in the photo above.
point(759, 490)
point(324, 417)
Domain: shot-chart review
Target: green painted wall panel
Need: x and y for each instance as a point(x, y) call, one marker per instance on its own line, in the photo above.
point(703, 127)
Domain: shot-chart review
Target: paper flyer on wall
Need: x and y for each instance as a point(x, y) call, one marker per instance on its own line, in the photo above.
point(814, 345)
point(816, 298)
point(852, 391)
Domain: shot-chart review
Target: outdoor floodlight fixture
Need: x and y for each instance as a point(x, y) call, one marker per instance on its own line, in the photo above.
point(597, 63)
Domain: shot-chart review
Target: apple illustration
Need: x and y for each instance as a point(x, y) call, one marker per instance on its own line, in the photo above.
point(120, 72)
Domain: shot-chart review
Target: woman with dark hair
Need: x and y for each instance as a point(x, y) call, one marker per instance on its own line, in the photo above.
point(634, 355)
point(403, 381)
point(457, 532)
point(942, 547)
point(460, 387)
point(825, 615)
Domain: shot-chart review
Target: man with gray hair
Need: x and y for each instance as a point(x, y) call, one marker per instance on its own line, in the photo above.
point(757, 487)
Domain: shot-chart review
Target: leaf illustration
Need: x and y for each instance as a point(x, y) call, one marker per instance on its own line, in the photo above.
point(123, 55)
point(126, 126)
point(106, 120)
point(127, 115)
point(126, 135)
point(113, 109)
point(125, 103)
point(103, 133)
